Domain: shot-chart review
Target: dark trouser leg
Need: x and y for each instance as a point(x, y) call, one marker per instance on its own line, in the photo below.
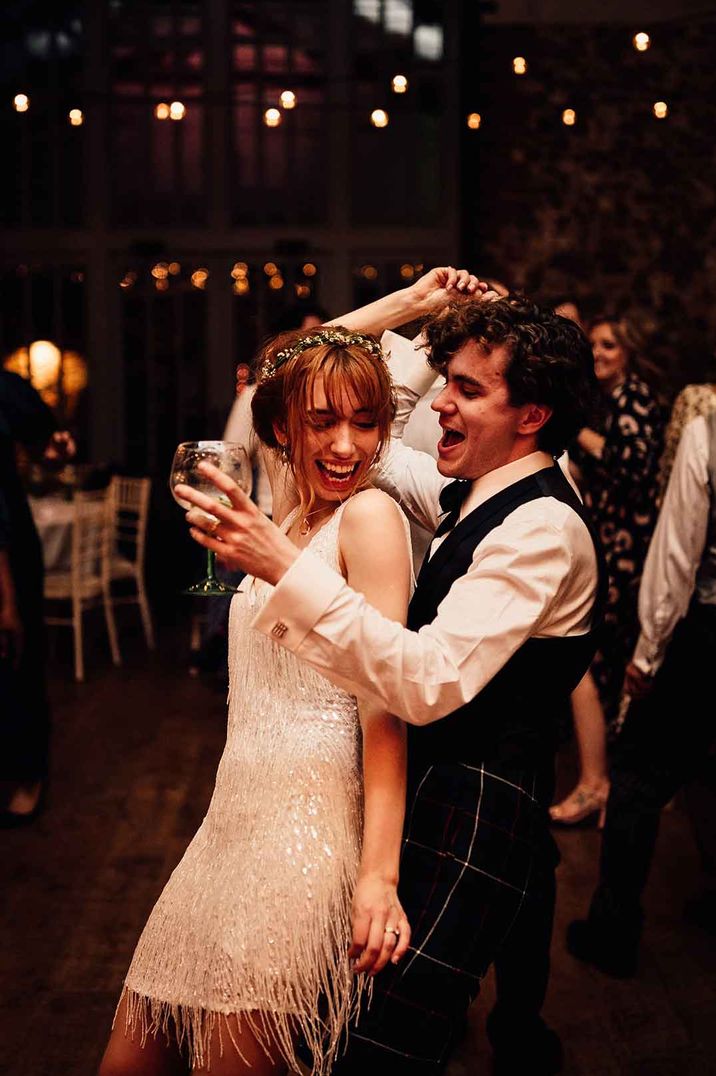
point(24, 710)
point(663, 744)
point(628, 842)
point(700, 910)
point(521, 1040)
point(701, 804)
point(522, 964)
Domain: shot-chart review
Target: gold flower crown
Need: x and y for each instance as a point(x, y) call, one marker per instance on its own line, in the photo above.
point(317, 339)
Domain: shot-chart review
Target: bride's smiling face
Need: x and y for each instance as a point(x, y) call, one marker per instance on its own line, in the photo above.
point(328, 410)
point(340, 438)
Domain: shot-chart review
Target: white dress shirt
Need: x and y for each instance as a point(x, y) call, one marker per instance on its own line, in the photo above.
point(240, 429)
point(534, 575)
point(676, 548)
point(422, 432)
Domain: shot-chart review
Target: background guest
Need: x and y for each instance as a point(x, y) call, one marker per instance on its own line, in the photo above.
point(667, 740)
point(10, 623)
point(24, 711)
point(693, 400)
point(617, 462)
point(567, 307)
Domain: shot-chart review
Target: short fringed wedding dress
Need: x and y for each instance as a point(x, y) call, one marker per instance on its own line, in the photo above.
point(256, 917)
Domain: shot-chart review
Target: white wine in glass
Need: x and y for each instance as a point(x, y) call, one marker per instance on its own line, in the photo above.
point(227, 457)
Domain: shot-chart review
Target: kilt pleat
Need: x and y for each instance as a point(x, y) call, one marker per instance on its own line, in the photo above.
point(472, 841)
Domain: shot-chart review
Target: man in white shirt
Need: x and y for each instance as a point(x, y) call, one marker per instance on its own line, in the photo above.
point(669, 736)
point(422, 432)
point(500, 629)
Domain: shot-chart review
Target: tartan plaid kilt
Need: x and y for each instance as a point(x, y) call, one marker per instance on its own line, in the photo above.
point(475, 843)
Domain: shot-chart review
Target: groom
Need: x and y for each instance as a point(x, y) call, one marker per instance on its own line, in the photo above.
point(501, 628)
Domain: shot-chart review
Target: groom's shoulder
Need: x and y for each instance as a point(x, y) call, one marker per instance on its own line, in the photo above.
point(547, 511)
point(549, 523)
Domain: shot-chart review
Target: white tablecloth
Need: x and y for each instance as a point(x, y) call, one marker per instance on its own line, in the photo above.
point(53, 519)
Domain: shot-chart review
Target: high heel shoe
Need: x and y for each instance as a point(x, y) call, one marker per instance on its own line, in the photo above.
point(580, 808)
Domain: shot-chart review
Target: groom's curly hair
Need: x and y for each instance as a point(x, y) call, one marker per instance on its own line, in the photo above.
point(549, 358)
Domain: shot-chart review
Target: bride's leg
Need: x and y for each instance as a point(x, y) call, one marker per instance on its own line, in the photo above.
point(125, 1056)
point(245, 1055)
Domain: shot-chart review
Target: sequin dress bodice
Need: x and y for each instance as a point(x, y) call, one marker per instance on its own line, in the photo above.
point(256, 916)
point(285, 719)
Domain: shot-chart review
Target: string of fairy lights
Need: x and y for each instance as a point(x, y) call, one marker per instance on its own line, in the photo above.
point(287, 100)
point(271, 273)
point(273, 117)
point(641, 42)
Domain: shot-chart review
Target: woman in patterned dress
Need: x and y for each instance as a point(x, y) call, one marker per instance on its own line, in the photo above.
point(618, 475)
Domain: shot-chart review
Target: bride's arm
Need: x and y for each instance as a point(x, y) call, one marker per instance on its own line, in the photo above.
point(376, 558)
point(424, 297)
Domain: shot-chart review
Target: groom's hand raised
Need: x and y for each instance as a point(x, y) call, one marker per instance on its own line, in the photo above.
point(242, 537)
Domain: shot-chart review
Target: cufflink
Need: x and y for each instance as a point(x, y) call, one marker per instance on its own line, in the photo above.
point(279, 629)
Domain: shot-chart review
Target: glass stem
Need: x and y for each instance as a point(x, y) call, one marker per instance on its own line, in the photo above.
point(211, 565)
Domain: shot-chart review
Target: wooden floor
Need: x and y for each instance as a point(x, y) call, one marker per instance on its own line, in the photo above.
point(135, 752)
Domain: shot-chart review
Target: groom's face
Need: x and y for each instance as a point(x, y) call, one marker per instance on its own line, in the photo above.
point(480, 425)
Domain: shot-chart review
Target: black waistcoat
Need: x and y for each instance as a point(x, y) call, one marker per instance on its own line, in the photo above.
point(511, 725)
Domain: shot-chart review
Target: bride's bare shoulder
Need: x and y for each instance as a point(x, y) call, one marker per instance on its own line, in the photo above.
point(371, 506)
point(375, 551)
point(371, 520)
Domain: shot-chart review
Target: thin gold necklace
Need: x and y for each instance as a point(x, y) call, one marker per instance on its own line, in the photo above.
point(306, 526)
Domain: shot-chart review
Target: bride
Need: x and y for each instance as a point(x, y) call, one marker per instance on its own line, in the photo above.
point(285, 902)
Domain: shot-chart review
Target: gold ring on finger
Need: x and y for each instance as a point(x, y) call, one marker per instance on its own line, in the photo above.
point(392, 930)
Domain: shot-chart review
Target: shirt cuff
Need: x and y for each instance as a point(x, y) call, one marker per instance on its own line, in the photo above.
point(299, 601)
point(408, 366)
point(648, 656)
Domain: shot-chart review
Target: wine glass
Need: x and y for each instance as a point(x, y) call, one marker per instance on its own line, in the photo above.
point(232, 460)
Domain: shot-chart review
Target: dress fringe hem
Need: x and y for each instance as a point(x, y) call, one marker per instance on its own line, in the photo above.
point(194, 1028)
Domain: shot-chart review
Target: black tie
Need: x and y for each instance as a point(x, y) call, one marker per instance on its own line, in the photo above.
point(452, 497)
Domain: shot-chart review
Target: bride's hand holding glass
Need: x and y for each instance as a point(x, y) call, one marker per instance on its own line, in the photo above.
point(186, 477)
point(227, 523)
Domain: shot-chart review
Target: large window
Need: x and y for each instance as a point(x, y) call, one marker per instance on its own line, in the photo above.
point(157, 113)
point(272, 294)
point(280, 125)
point(41, 87)
point(406, 156)
point(163, 345)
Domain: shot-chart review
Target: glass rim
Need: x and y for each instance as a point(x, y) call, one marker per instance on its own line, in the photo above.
point(211, 444)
